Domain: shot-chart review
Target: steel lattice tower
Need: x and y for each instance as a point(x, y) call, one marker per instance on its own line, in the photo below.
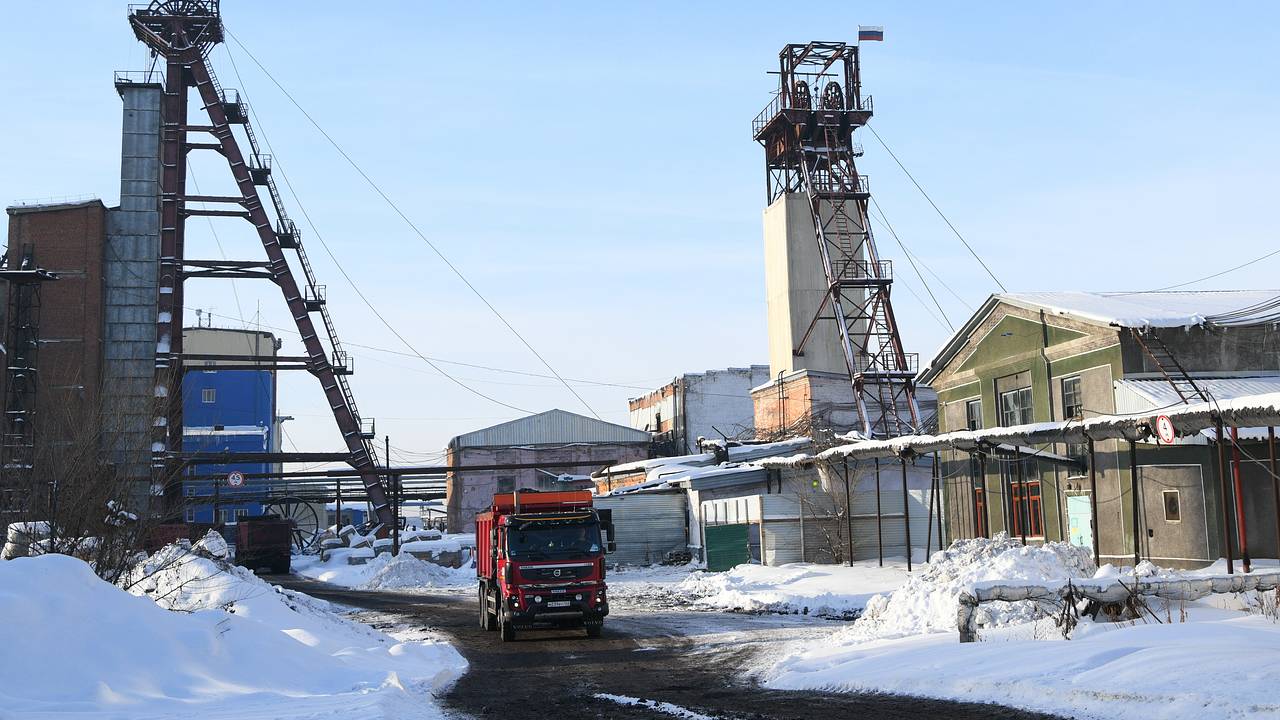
point(183, 32)
point(21, 350)
point(807, 134)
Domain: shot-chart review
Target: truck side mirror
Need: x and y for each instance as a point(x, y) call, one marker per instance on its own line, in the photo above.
point(606, 526)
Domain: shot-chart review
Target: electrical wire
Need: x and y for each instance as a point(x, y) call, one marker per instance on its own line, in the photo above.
point(377, 189)
point(278, 168)
point(884, 220)
point(938, 210)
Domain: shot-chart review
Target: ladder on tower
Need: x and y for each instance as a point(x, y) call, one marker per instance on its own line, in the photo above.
point(332, 373)
point(1169, 367)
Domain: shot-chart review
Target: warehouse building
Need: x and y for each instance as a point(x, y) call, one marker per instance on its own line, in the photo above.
point(1053, 356)
point(561, 448)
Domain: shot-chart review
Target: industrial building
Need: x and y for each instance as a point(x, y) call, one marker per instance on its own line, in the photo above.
point(229, 406)
point(715, 404)
point(97, 324)
point(1055, 356)
point(559, 449)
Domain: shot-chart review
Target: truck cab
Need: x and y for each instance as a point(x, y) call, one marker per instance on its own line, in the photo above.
point(541, 562)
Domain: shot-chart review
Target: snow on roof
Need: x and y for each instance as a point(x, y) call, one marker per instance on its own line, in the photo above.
point(650, 464)
point(1158, 309)
point(1248, 411)
point(1160, 394)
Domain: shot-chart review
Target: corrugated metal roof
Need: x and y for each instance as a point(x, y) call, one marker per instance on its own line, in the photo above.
point(1135, 396)
point(553, 427)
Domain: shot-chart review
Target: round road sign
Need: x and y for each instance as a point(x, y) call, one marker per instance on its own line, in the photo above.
point(1164, 430)
point(235, 478)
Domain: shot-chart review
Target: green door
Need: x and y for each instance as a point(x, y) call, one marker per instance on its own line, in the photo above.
point(726, 546)
point(1080, 520)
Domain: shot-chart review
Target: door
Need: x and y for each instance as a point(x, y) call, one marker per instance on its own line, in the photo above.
point(726, 546)
point(1080, 520)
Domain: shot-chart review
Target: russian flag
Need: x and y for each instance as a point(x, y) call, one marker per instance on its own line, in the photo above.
point(873, 33)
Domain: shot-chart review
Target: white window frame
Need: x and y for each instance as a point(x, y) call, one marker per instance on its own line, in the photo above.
point(209, 396)
point(1027, 409)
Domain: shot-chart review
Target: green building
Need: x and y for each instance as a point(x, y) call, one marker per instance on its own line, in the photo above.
point(1051, 356)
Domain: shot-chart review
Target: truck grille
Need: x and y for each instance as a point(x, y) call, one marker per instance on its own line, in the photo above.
point(554, 573)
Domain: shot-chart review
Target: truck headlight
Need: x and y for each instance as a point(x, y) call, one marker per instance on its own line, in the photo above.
point(577, 597)
point(537, 598)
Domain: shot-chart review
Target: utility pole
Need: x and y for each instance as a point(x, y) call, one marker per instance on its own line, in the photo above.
point(393, 482)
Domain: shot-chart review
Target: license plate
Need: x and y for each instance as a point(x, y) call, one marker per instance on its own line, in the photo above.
point(558, 603)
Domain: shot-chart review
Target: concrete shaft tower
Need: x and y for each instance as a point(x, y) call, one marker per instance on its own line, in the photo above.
point(830, 313)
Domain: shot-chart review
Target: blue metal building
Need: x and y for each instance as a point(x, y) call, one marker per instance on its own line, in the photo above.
point(228, 410)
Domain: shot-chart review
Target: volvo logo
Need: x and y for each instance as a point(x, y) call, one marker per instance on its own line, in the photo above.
point(555, 573)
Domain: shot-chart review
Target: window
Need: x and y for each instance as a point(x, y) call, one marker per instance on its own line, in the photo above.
point(191, 491)
point(506, 484)
point(230, 516)
point(1026, 498)
point(1072, 402)
point(191, 515)
point(1172, 506)
point(1015, 407)
point(209, 365)
point(973, 415)
point(979, 509)
point(208, 396)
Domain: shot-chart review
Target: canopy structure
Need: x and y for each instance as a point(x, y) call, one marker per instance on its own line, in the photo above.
point(1248, 411)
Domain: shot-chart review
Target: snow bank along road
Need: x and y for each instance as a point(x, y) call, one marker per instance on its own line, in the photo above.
point(649, 664)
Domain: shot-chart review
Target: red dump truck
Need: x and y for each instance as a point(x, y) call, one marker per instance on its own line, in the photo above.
point(540, 561)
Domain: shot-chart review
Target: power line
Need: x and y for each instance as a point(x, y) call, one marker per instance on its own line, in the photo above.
point(414, 227)
point(1241, 266)
point(938, 210)
point(307, 216)
point(884, 219)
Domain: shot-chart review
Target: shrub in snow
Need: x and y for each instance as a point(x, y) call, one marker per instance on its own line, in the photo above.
point(927, 601)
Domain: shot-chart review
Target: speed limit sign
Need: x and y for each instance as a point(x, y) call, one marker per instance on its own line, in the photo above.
point(235, 478)
point(1164, 430)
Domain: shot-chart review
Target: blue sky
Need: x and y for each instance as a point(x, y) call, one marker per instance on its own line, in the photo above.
point(590, 168)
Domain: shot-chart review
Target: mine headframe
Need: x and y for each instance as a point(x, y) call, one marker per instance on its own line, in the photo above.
point(183, 32)
point(807, 134)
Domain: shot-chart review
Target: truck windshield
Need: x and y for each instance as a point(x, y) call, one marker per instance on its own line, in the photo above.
point(542, 540)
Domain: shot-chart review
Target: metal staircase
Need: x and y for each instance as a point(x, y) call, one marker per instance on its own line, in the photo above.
point(1169, 367)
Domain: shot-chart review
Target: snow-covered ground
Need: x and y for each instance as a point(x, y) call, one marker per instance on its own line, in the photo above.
point(836, 591)
point(194, 637)
point(402, 573)
point(1212, 658)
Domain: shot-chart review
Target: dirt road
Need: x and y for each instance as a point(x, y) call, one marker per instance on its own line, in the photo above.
point(689, 659)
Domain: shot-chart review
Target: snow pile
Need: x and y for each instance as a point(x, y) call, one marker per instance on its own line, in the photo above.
point(928, 600)
point(833, 591)
point(404, 572)
point(1182, 660)
point(75, 644)
point(212, 545)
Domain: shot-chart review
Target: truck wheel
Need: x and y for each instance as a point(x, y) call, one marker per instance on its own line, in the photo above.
point(594, 629)
point(506, 630)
